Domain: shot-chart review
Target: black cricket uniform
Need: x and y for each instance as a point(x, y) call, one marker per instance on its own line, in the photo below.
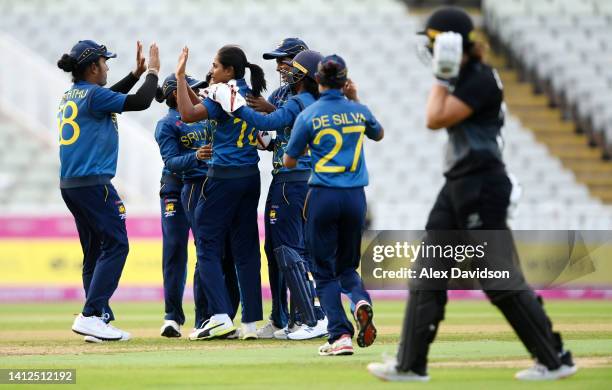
point(476, 196)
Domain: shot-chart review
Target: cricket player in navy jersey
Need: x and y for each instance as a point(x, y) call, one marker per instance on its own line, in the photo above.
point(283, 215)
point(282, 318)
point(88, 137)
point(333, 129)
point(285, 52)
point(183, 150)
point(228, 201)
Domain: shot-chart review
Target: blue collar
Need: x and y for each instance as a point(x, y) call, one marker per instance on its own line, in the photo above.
point(173, 112)
point(81, 82)
point(241, 83)
point(332, 94)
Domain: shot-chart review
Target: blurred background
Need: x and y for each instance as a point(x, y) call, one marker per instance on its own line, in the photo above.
point(553, 57)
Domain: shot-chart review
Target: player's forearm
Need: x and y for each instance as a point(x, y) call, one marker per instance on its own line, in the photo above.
point(289, 162)
point(126, 84)
point(275, 120)
point(195, 99)
point(142, 99)
point(184, 104)
point(182, 163)
point(435, 106)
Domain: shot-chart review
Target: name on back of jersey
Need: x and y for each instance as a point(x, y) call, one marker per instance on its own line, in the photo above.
point(340, 119)
point(76, 93)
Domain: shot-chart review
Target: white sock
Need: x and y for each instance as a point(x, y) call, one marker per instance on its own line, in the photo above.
point(221, 318)
point(249, 326)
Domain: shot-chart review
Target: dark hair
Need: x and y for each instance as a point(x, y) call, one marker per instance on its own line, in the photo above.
point(333, 84)
point(311, 86)
point(230, 55)
point(477, 51)
point(170, 99)
point(328, 76)
point(69, 64)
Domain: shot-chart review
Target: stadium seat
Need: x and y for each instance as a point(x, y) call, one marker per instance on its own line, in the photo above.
point(406, 168)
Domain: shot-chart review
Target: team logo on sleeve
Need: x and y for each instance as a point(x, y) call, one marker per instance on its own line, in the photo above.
point(170, 208)
point(114, 119)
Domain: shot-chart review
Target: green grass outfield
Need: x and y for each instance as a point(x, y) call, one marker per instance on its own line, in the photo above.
point(475, 348)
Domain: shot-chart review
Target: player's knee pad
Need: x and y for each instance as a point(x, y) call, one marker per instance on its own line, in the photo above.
point(525, 313)
point(294, 270)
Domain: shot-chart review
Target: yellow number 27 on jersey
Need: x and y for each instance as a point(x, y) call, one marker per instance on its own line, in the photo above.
point(322, 165)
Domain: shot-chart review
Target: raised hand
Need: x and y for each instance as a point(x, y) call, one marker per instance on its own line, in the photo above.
point(141, 65)
point(182, 63)
point(447, 53)
point(350, 90)
point(154, 58)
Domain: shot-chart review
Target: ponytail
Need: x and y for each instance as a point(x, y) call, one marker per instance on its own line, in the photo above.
point(70, 64)
point(233, 56)
point(67, 63)
point(170, 99)
point(258, 80)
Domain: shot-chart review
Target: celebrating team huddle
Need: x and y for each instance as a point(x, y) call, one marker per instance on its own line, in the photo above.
point(315, 207)
point(209, 142)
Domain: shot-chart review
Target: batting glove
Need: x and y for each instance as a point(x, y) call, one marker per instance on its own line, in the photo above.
point(447, 52)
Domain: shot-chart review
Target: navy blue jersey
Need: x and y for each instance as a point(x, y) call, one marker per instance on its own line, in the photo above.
point(283, 118)
point(280, 96)
point(88, 137)
point(234, 140)
point(333, 128)
point(178, 142)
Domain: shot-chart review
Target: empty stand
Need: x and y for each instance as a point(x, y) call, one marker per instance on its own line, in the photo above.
point(378, 41)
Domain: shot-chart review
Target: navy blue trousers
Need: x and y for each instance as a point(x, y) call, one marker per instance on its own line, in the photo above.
point(99, 215)
point(284, 224)
point(334, 223)
point(175, 231)
point(229, 206)
point(189, 195)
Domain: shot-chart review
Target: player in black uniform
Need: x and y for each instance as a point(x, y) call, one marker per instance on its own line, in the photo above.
point(467, 100)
